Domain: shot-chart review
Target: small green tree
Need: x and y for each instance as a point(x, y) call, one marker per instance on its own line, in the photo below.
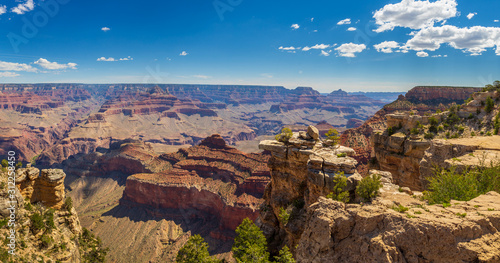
point(19, 165)
point(285, 256)
point(5, 163)
point(250, 245)
point(285, 135)
point(333, 136)
point(338, 193)
point(489, 105)
point(368, 187)
point(68, 204)
point(195, 250)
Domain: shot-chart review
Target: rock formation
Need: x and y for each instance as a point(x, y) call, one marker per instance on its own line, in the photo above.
point(40, 195)
point(212, 180)
point(47, 188)
point(395, 227)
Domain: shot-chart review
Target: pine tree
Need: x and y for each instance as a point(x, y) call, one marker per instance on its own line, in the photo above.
point(250, 245)
point(195, 250)
point(285, 256)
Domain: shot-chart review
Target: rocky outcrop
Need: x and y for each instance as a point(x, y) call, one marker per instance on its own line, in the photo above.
point(47, 188)
point(394, 227)
point(211, 182)
point(335, 232)
point(301, 172)
point(39, 195)
point(440, 94)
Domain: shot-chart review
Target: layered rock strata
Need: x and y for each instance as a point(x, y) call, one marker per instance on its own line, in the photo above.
point(47, 187)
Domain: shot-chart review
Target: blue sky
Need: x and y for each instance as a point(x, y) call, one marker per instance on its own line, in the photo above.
point(353, 45)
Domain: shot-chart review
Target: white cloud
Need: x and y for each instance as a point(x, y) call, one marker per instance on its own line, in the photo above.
point(183, 53)
point(346, 21)
point(414, 14)
point(3, 9)
point(440, 56)
point(324, 53)
point(318, 46)
point(54, 65)
point(387, 46)
point(10, 66)
point(127, 58)
point(110, 59)
point(312, 19)
point(473, 40)
point(287, 48)
point(351, 29)
point(496, 20)
point(422, 54)
point(105, 29)
point(471, 15)
point(350, 49)
point(295, 26)
point(8, 74)
point(20, 9)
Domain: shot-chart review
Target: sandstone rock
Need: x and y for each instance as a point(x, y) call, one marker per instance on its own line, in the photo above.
point(313, 132)
point(304, 135)
point(335, 232)
point(386, 177)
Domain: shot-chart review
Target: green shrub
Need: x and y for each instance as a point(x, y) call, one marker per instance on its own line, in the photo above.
point(5, 163)
point(68, 204)
point(489, 105)
point(37, 223)
point(429, 136)
point(368, 187)
point(250, 244)
point(332, 135)
point(415, 131)
point(91, 247)
point(400, 208)
point(433, 121)
point(391, 131)
point(472, 134)
point(446, 185)
point(342, 155)
point(49, 219)
point(195, 250)
point(285, 256)
point(338, 194)
point(284, 216)
point(46, 240)
point(285, 135)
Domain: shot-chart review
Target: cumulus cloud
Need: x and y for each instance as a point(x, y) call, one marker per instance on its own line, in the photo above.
point(183, 53)
point(351, 29)
point(10, 66)
point(387, 46)
point(346, 21)
point(324, 53)
point(295, 26)
point(20, 9)
point(414, 14)
point(422, 54)
point(317, 46)
point(8, 74)
point(496, 20)
point(110, 59)
point(471, 15)
point(350, 49)
point(3, 9)
point(54, 65)
point(127, 58)
point(473, 40)
point(440, 56)
point(105, 29)
point(287, 48)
